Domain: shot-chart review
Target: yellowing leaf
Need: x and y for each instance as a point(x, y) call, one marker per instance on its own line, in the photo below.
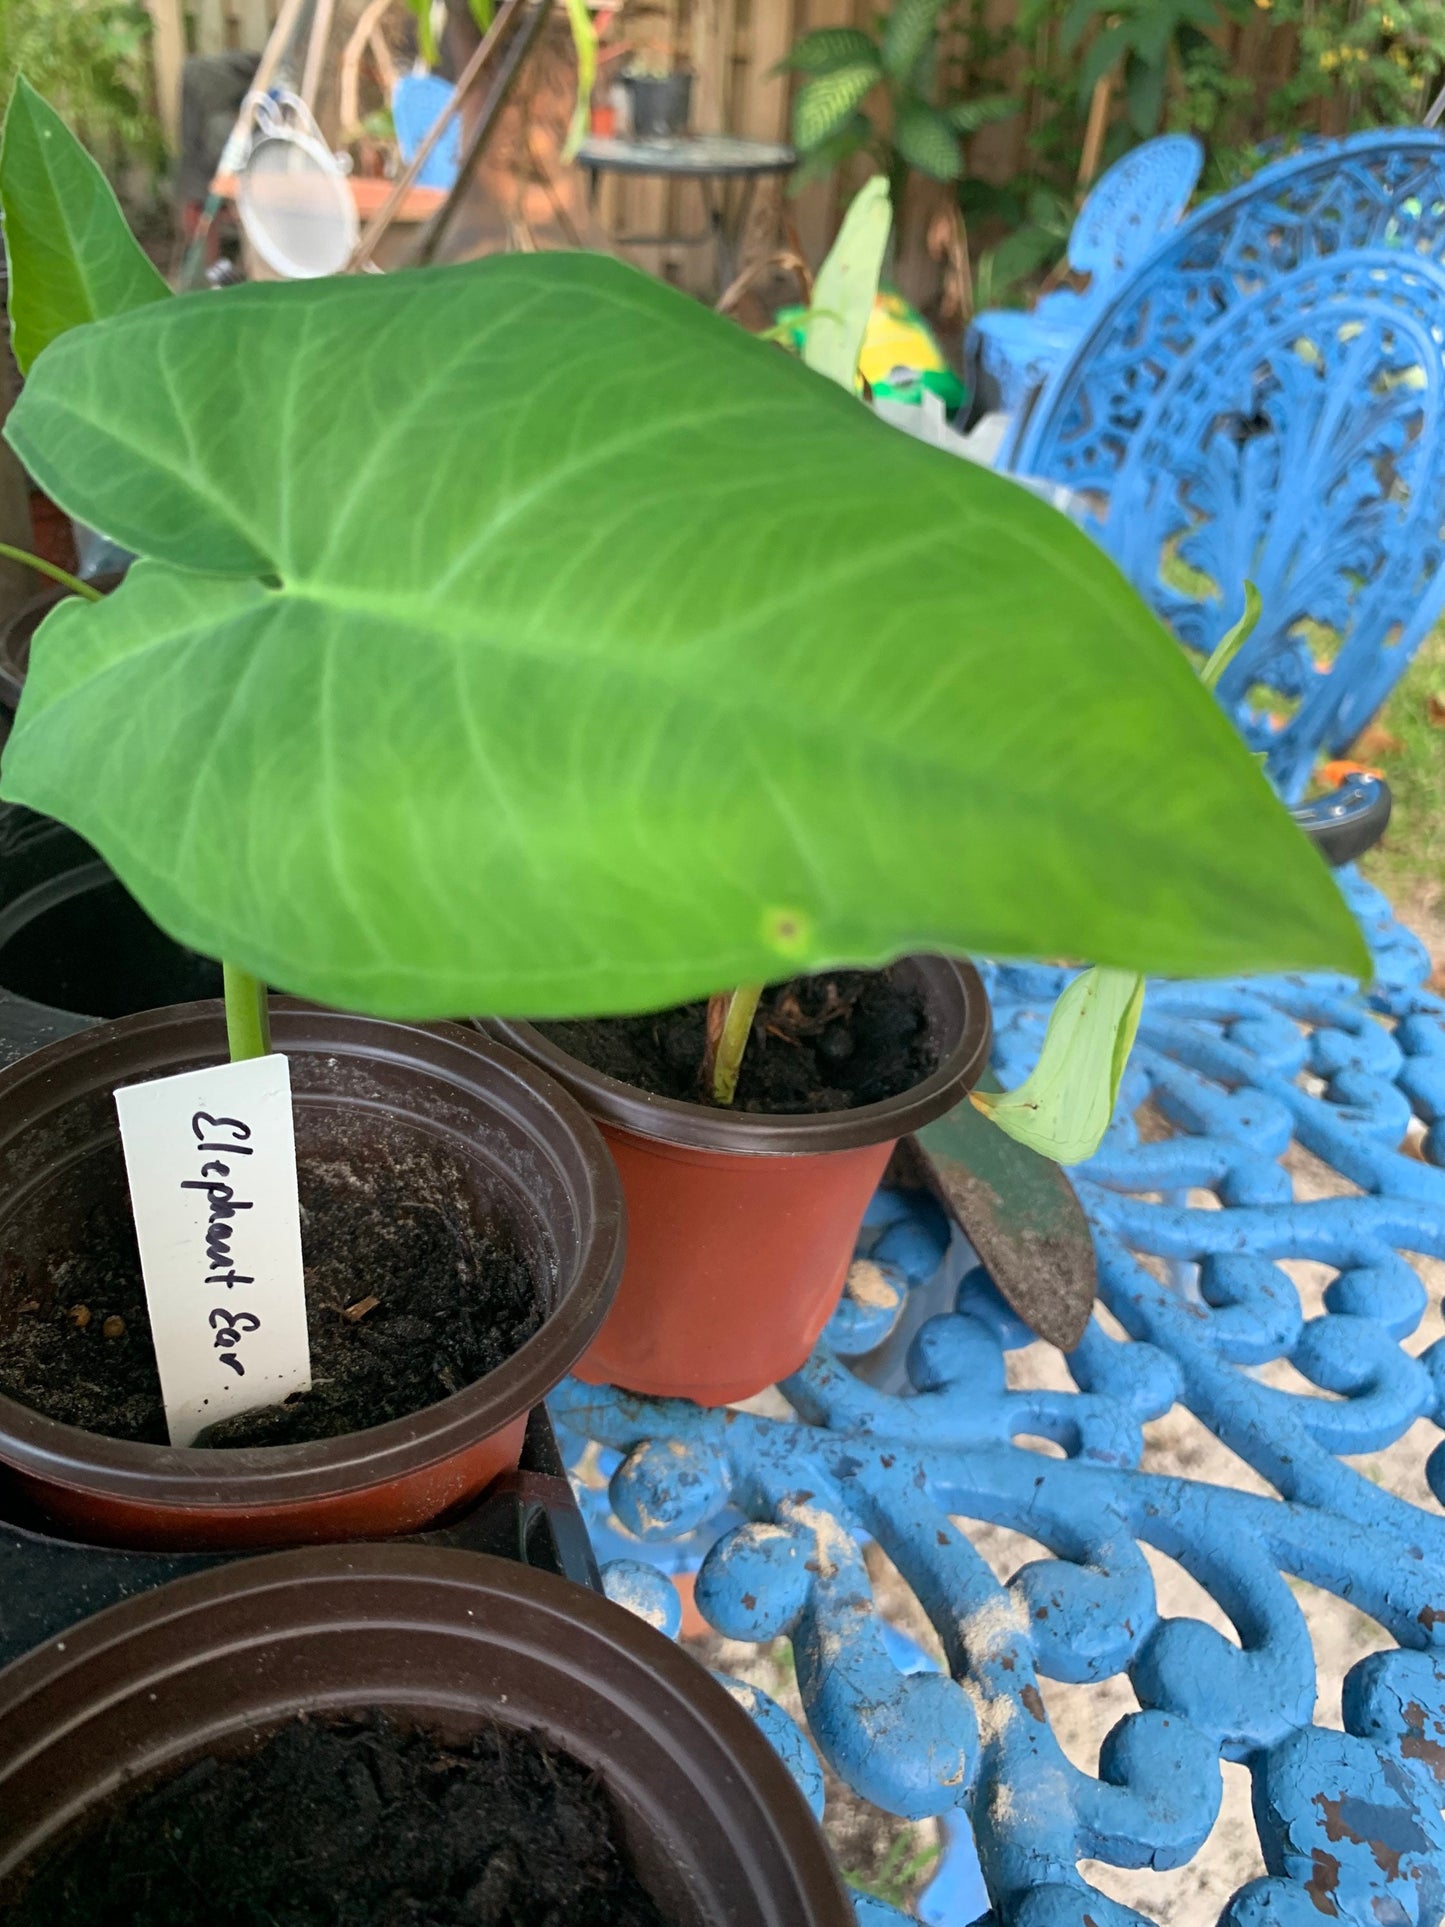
point(1063, 1108)
point(847, 286)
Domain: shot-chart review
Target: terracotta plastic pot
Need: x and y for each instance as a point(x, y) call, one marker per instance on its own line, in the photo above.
point(364, 1090)
point(450, 1642)
point(741, 1227)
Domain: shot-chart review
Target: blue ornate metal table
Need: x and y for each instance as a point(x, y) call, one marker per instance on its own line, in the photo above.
point(1246, 1444)
point(1196, 1219)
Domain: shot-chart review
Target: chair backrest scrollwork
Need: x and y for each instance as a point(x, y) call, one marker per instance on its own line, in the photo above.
point(1264, 400)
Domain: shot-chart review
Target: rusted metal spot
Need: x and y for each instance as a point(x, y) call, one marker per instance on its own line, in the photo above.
point(1389, 1832)
point(1415, 1746)
point(1323, 1881)
point(1033, 1699)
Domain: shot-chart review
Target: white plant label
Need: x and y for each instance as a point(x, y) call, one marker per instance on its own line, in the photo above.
point(211, 1158)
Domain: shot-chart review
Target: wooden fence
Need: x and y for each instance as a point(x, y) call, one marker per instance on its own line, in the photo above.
point(733, 47)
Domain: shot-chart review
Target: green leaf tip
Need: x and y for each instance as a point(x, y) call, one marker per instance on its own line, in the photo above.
point(70, 256)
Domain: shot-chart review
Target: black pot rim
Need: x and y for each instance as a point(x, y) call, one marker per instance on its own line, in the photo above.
point(280, 1475)
point(958, 1006)
point(165, 1644)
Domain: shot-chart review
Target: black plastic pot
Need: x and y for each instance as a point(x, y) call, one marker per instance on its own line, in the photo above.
point(49, 1584)
point(450, 1642)
point(365, 1091)
point(661, 104)
point(74, 944)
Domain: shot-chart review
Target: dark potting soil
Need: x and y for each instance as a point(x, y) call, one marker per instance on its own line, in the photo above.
point(826, 1043)
point(450, 1302)
point(354, 1824)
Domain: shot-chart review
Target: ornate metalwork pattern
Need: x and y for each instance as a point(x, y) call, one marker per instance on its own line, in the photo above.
point(1262, 401)
point(1137, 202)
point(1195, 1216)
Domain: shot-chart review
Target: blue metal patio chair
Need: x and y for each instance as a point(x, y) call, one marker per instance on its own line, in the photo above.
point(416, 101)
point(1131, 209)
point(1263, 400)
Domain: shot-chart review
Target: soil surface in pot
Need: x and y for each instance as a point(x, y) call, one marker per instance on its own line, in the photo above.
point(826, 1043)
point(408, 1300)
point(354, 1824)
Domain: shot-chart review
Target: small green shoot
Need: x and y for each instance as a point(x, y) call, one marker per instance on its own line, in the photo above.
point(729, 1025)
point(1237, 637)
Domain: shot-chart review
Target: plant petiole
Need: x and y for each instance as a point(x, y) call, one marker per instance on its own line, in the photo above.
point(53, 570)
point(248, 1015)
point(729, 1025)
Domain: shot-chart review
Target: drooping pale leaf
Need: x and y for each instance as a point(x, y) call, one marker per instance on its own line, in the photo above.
point(1234, 639)
point(906, 38)
point(828, 48)
point(1063, 1108)
point(926, 141)
point(600, 657)
point(71, 257)
point(825, 105)
point(847, 286)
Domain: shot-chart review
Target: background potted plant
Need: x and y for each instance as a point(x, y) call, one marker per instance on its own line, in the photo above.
point(807, 695)
point(660, 91)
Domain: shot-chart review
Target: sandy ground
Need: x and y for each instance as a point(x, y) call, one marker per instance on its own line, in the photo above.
point(893, 1858)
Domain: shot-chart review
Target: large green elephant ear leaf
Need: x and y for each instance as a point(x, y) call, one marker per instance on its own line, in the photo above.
point(71, 258)
point(594, 655)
